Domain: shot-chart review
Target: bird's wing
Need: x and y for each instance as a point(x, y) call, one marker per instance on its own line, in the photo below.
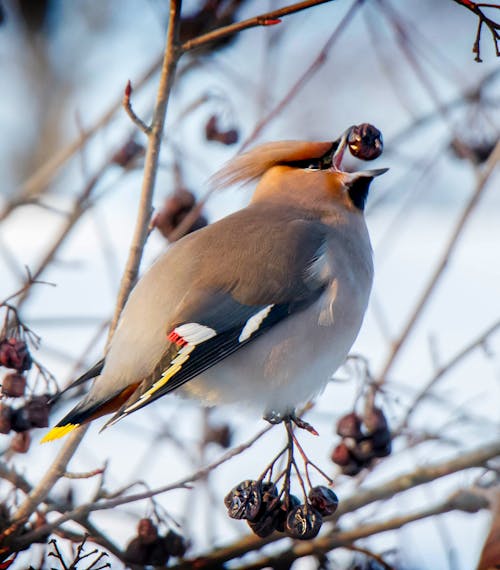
point(88, 375)
point(211, 325)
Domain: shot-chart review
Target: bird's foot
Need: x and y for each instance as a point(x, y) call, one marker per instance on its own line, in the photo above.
point(274, 417)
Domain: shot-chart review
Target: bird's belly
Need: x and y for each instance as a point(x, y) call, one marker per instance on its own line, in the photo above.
point(287, 365)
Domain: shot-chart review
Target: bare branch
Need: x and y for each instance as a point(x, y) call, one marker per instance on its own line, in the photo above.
point(267, 19)
point(493, 26)
point(151, 162)
point(339, 539)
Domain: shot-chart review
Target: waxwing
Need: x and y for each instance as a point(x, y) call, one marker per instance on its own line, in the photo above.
point(259, 308)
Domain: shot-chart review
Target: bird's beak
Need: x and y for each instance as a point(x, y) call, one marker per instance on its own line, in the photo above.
point(350, 177)
point(338, 155)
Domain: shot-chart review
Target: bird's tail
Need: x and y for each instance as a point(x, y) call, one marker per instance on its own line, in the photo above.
point(87, 410)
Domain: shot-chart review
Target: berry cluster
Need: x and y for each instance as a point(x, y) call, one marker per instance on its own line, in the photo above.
point(34, 411)
point(261, 505)
point(150, 548)
point(267, 509)
point(363, 440)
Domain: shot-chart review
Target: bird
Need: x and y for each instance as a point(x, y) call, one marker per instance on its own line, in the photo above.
point(257, 309)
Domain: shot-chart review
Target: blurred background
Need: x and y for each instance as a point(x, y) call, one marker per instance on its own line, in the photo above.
point(71, 163)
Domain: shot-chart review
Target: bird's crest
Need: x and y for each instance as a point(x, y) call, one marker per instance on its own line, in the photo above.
point(253, 164)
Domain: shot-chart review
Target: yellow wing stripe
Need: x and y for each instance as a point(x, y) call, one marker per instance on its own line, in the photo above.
point(175, 365)
point(57, 432)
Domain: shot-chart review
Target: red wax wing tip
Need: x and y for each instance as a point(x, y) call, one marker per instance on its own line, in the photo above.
point(128, 89)
point(271, 22)
point(176, 338)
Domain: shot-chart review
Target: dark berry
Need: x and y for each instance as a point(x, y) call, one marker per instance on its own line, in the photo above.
point(5, 418)
point(285, 508)
point(176, 544)
point(303, 522)
point(244, 500)
point(14, 353)
point(381, 438)
point(175, 208)
point(125, 156)
point(265, 524)
point(13, 385)
point(363, 451)
point(352, 468)
point(268, 489)
point(270, 516)
point(341, 455)
point(21, 442)
point(213, 132)
point(365, 142)
point(324, 500)
point(37, 410)
point(20, 421)
point(350, 426)
point(147, 531)
point(221, 435)
point(384, 450)
point(147, 554)
point(374, 420)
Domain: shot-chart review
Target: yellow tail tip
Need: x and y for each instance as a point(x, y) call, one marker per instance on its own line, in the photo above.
point(58, 431)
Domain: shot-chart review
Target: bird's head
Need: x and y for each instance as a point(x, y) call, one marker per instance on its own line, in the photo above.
point(307, 173)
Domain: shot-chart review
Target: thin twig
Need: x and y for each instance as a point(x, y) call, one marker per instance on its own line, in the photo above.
point(494, 27)
point(370, 554)
point(267, 19)
point(151, 162)
point(127, 105)
point(446, 368)
point(84, 510)
point(305, 77)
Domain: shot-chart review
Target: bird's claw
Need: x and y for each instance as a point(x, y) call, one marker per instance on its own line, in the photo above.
point(274, 417)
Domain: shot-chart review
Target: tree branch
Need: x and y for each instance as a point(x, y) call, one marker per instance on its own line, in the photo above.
point(59, 466)
point(267, 19)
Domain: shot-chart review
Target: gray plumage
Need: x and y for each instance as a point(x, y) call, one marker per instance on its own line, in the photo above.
point(301, 247)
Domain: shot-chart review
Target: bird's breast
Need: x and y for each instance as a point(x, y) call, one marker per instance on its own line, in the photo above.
point(293, 361)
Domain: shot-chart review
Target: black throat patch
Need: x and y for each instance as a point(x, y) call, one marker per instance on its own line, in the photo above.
point(358, 191)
